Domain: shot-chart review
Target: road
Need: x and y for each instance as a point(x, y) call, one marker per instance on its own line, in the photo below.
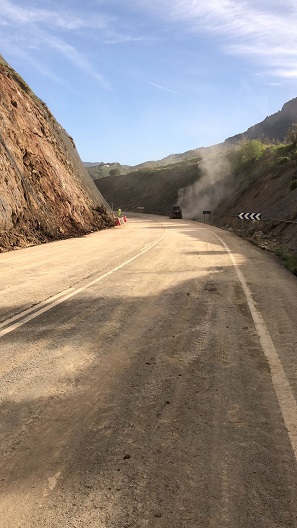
point(148, 379)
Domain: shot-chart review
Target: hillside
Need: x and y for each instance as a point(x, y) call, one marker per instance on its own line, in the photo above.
point(272, 128)
point(226, 183)
point(45, 191)
point(269, 186)
point(154, 189)
point(103, 170)
point(221, 179)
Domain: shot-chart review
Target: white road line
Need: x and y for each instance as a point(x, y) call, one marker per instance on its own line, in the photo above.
point(280, 381)
point(36, 307)
point(12, 327)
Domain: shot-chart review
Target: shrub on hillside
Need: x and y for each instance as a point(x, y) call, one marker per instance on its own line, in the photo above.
point(291, 137)
point(289, 260)
point(252, 150)
point(115, 172)
point(283, 160)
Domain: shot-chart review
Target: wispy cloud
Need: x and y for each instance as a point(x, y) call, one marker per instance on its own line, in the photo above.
point(45, 29)
point(263, 30)
point(163, 88)
point(9, 46)
point(53, 29)
point(65, 19)
point(74, 56)
point(118, 38)
point(146, 81)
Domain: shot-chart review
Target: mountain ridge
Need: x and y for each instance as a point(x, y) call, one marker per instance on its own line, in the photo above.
point(229, 178)
point(273, 128)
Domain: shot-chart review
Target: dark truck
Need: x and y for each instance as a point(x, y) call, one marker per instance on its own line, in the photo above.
point(176, 212)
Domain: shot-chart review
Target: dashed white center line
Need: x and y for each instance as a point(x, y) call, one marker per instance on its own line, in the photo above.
point(35, 311)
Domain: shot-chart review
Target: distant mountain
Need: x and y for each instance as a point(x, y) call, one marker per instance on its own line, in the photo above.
point(274, 127)
point(221, 179)
point(102, 170)
point(91, 163)
point(155, 189)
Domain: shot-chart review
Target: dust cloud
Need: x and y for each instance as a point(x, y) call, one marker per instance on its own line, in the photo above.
point(215, 184)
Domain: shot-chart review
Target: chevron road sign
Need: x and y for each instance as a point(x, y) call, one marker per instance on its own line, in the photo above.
point(250, 216)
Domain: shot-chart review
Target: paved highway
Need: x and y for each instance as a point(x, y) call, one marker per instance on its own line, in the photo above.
point(148, 379)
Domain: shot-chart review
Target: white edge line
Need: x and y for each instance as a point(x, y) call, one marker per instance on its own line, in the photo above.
point(10, 328)
point(280, 381)
point(35, 307)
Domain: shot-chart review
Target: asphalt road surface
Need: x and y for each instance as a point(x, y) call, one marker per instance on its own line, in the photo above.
point(148, 379)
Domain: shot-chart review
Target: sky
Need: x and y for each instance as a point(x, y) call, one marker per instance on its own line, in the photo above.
point(138, 80)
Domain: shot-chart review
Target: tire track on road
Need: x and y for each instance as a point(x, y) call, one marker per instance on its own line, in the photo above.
point(10, 325)
point(284, 393)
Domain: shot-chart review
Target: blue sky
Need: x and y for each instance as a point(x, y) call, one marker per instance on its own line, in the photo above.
point(136, 80)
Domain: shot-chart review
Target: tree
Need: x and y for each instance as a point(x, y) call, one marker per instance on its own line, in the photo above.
point(291, 137)
point(252, 150)
point(115, 172)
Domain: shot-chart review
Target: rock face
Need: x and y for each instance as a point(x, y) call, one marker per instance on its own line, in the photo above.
point(45, 191)
point(274, 127)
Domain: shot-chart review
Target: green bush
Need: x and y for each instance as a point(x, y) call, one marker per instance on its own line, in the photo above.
point(289, 260)
point(252, 150)
point(283, 160)
point(292, 135)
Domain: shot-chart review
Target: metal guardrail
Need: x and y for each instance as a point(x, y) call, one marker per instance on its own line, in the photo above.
point(277, 220)
point(265, 219)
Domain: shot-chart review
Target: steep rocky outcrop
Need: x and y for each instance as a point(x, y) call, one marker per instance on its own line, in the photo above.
point(274, 127)
point(45, 191)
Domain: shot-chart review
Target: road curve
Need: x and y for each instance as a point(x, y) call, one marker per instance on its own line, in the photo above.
point(148, 379)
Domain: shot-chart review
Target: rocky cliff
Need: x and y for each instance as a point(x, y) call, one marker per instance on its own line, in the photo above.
point(45, 191)
point(273, 127)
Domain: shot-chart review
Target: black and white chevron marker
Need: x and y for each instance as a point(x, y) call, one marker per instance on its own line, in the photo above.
point(250, 216)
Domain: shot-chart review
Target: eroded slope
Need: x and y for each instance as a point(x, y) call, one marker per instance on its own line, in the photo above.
point(45, 191)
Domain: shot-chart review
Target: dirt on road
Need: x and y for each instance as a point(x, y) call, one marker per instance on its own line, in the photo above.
point(144, 391)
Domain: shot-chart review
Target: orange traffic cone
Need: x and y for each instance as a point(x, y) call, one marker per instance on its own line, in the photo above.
point(125, 219)
point(118, 222)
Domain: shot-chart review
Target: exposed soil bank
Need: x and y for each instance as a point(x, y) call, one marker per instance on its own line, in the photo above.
point(45, 191)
